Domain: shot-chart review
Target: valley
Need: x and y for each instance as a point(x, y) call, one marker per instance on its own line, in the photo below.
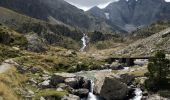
point(52, 50)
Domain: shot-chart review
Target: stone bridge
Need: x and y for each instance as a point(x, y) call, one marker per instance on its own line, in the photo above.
point(129, 61)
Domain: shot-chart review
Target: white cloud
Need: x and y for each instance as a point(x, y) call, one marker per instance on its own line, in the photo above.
point(87, 4)
point(167, 0)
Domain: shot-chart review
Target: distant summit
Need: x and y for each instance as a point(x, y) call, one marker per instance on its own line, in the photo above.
point(130, 14)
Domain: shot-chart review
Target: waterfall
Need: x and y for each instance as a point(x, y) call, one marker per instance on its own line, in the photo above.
point(85, 40)
point(91, 96)
point(138, 93)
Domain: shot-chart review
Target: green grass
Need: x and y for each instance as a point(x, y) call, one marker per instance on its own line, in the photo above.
point(50, 92)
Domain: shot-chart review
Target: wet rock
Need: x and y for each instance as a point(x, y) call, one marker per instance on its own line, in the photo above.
point(81, 92)
point(72, 82)
point(113, 89)
point(84, 83)
point(70, 97)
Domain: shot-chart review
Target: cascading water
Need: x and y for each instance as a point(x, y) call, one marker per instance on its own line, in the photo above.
point(85, 40)
point(91, 96)
point(138, 93)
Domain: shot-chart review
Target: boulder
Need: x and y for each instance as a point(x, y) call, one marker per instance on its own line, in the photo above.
point(72, 82)
point(60, 78)
point(70, 97)
point(113, 89)
point(127, 79)
point(117, 67)
point(45, 84)
point(81, 92)
point(84, 83)
point(35, 70)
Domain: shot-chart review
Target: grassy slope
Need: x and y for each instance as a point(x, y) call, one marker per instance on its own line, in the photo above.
point(150, 30)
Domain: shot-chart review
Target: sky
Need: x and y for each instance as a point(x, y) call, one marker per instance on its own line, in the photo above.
point(87, 4)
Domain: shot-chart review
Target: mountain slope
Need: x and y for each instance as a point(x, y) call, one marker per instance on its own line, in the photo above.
point(51, 34)
point(150, 45)
point(132, 14)
point(43, 9)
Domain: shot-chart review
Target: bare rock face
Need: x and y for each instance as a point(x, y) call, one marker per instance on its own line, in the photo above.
point(113, 89)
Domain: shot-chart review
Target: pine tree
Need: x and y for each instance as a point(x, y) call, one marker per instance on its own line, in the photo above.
point(159, 70)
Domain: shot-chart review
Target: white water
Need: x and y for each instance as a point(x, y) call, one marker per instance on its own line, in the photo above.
point(85, 40)
point(91, 96)
point(138, 93)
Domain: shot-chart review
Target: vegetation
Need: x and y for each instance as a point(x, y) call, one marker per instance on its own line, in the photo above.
point(159, 71)
point(50, 93)
point(9, 81)
point(150, 30)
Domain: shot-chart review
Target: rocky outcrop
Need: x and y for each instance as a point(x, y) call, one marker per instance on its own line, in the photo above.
point(113, 89)
point(35, 43)
point(60, 78)
point(128, 14)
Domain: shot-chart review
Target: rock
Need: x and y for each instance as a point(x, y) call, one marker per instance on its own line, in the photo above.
point(35, 43)
point(35, 70)
point(84, 83)
point(42, 98)
point(72, 82)
point(145, 93)
point(46, 77)
point(81, 92)
point(32, 81)
point(60, 78)
point(127, 79)
point(155, 97)
point(21, 69)
point(116, 66)
point(45, 84)
point(113, 89)
point(65, 87)
point(59, 89)
point(70, 97)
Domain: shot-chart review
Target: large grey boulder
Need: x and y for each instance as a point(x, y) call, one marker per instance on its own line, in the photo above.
point(113, 89)
point(60, 78)
point(72, 82)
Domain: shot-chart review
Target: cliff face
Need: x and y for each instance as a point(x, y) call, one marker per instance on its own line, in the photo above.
point(130, 14)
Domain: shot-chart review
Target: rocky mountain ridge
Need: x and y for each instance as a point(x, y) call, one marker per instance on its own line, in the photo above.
point(132, 14)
